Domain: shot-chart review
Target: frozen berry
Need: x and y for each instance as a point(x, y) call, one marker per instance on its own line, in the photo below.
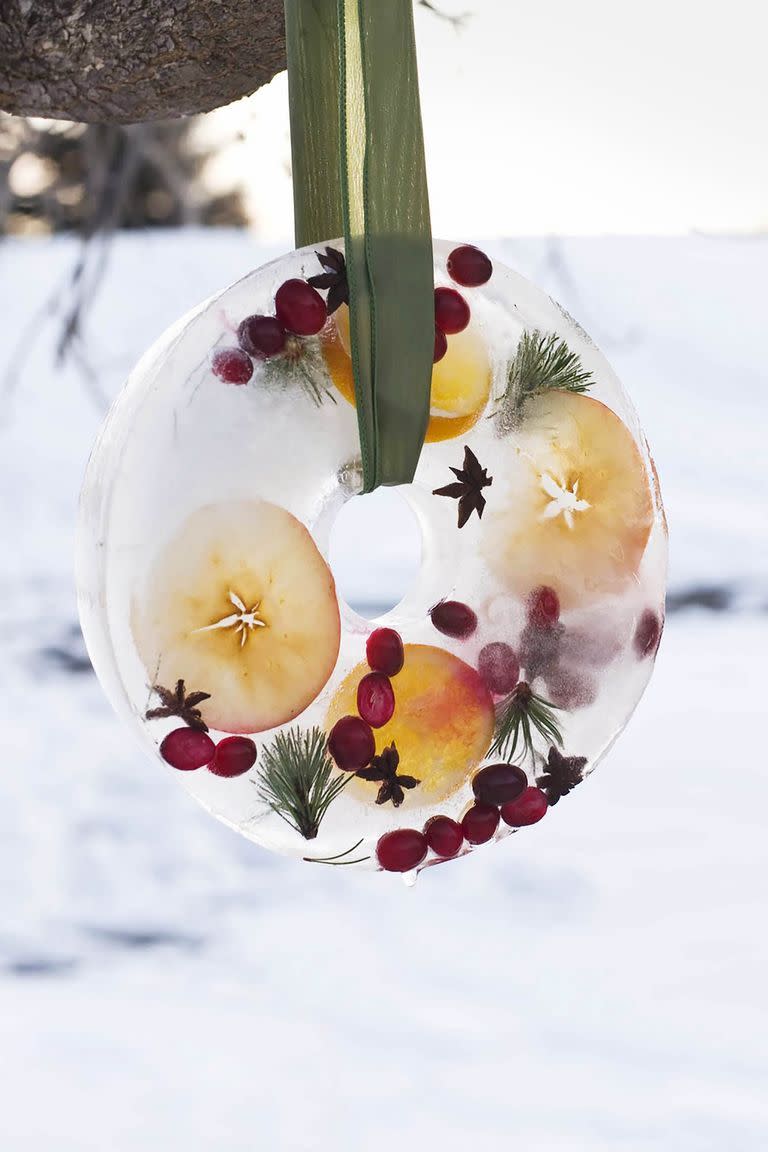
point(384, 650)
point(375, 699)
point(451, 311)
point(469, 266)
point(444, 836)
point(569, 689)
point(539, 649)
point(187, 749)
point(596, 646)
point(300, 308)
point(527, 809)
point(441, 345)
point(648, 634)
point(453, 618)
point(401, 850)
point(498, 784)
point(261, 336)
point(480, 823)
point(351, 743)
point(499, 667)
point(234, 756)
point(232, 365)
point(543, 607)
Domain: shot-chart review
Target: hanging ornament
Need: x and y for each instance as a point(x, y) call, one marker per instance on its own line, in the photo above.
point(500, 680)
point(209, 609)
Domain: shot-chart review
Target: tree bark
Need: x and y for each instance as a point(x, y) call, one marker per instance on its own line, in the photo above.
point(124, 61)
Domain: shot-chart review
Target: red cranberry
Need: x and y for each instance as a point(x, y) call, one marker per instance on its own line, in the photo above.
point(648, 634)
point(480, 823)
point(232, 365)
point(234, 756)
point(187, 749)
point(300, 308)
point(384, 650)
point(527, 809)
point(453, 618)
point(351, 743)
point(444, 836)
point(596, 646)
point(498, 784)
point(539, 649)
point(375, 699)
point(401, 850)
point(469, 266)
point(499, 667)
point(441, 345)
point(261, 336)
point(451, 311)
point(543, 607)
point(569, 689)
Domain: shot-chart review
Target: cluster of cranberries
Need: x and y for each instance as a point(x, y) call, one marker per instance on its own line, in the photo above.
point(351, 742)
point(501, 793)
point(497, 663)
point(539, 650)
point(469, 267)
point(299, 311)
point(563, 658)
point(188, 749)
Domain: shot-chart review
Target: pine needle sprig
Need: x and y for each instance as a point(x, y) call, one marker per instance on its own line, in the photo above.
point(303, 366)
point(520, 715)
point(543, 362)
point(297, 779)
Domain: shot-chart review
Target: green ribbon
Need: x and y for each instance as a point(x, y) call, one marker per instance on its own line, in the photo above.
point(358, 170)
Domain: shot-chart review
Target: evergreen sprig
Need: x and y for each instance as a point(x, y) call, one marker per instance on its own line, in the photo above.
point(518, 716)
point(297, 779)
point(543, 362)
point(302, 365)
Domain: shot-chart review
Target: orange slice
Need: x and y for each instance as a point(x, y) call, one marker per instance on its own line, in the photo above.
point(442, 724)
point(461, 381)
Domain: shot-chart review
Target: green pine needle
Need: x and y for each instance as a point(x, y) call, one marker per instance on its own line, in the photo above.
point(338, 860)
point(542, 363)
point(303, 366)
point(518, 716)
point(297, 779)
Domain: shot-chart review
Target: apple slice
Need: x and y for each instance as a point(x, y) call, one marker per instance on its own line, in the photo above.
point(442, 725)
point(576, 509)
point(461, 381)
point(240, 604)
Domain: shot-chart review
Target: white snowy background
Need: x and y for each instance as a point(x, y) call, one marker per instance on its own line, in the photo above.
point(598, 982)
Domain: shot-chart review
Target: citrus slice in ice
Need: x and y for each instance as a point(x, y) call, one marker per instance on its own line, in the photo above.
point(461, 381)
point(442, 725)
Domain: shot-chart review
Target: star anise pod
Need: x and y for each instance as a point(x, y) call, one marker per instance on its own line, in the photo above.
point(334, 278)
point(384, 768)
point(562, 774)
point(468, 487)
point(176, 702)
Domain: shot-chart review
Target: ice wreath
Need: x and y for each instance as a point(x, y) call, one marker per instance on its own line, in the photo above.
point(211, 614)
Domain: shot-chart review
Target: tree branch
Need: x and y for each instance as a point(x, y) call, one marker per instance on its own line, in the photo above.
point(123, 61)
point(126, 61)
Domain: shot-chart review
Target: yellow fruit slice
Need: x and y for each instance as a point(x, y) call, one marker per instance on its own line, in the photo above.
point(461, 381)
point(240, 604)
point(442, 724)
point(576, 509)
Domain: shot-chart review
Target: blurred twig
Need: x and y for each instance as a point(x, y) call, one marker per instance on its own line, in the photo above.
point(458, 20)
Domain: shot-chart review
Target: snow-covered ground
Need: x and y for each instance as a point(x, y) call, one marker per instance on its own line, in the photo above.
point(594, 983)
